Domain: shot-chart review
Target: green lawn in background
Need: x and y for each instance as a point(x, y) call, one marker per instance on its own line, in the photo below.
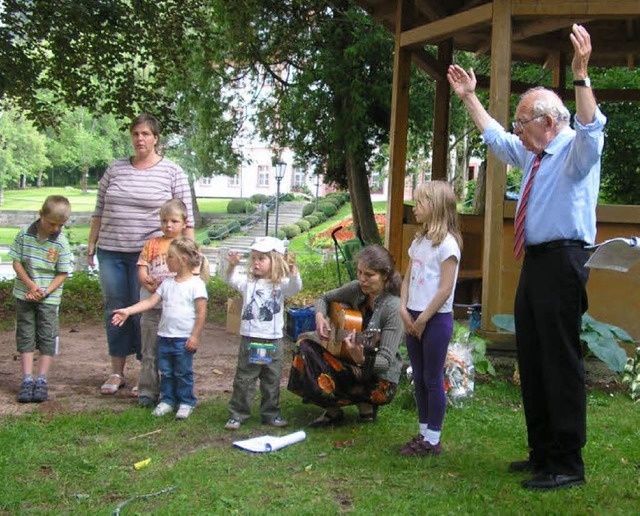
point(31, 199)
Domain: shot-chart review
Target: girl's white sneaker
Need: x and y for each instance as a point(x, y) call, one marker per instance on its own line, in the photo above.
point(162, 409)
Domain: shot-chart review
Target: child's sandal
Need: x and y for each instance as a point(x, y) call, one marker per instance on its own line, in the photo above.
point(111, 388)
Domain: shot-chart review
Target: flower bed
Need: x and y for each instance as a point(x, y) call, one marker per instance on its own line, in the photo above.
point(323, 239)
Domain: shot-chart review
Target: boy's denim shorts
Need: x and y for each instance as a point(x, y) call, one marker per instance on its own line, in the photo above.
point(36, 327)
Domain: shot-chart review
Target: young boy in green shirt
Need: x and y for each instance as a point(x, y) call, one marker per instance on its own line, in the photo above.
point(42, 260)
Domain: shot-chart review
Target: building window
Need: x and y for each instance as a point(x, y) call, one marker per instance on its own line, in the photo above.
point(263, 175)
point(205, 180)
point(234, 180)
point(299, 177)
point(376, 182)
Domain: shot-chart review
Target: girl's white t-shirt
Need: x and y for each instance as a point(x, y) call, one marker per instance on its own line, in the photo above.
point(178, 306)
point(426, 270)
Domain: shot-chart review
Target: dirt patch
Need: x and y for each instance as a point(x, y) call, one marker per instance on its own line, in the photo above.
point(82, 365)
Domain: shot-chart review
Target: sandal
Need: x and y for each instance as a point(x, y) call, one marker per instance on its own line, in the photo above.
point(326, 420)
point(111, 388)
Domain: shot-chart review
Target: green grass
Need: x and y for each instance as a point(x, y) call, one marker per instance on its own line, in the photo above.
point(83, 463)
point(31, 199)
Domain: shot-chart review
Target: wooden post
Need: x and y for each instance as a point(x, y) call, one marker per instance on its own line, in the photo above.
point(440, 153)
point(499, 92)
point(398, 143)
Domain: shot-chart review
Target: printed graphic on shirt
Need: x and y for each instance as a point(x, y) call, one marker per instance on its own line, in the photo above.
point(263, 305)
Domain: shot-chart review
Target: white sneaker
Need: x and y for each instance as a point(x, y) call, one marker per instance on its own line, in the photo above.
point(162, 409)
point(184, 411)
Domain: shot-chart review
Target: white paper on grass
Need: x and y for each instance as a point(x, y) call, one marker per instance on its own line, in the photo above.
point(269, 443)
point(617, 254)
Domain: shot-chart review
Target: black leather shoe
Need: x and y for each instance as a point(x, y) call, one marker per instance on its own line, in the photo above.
point(549, 481)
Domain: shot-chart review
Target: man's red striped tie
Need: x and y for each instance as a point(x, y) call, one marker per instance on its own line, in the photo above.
point(518, 242)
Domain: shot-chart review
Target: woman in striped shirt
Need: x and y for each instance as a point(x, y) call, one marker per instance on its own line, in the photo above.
point(127, 214)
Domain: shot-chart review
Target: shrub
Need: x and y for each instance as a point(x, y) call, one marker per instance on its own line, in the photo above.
point(259, 198)
point(328, 209)
point(287, 197)
point(308, 209)
point(321, 216)
point(333, 199)
point(291, 231)
point(313, 220)
point(303, 225)
point(236, 206)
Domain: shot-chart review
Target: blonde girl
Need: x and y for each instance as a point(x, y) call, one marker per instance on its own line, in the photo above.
point(271, 276)
point(184, 308)
point(427, 307)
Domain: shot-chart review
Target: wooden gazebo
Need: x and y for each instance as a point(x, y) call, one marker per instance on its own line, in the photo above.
point(533, 31)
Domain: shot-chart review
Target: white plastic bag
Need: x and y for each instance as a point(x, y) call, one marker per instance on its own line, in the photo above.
point(459, 374)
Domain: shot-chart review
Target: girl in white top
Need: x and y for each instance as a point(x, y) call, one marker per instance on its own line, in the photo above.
point(427, 307)
point(271, 276)
point(184, 309)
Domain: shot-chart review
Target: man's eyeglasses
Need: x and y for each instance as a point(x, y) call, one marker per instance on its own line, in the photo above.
point(518, 125)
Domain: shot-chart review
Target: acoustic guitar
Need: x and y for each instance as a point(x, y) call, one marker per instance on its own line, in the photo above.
point(344, 320)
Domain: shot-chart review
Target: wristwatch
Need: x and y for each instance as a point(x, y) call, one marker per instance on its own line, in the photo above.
point(586, 82)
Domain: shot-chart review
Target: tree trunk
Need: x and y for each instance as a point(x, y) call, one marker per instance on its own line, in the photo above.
point(481, 189)
point(361, 205)
point(197, 218)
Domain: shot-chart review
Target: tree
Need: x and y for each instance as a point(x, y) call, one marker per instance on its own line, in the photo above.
point(81, 141)
point(22, 150)
point(110, 56)
point(321, 72)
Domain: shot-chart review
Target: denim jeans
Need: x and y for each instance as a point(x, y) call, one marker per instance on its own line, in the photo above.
point(176, 372)
point(120, 288)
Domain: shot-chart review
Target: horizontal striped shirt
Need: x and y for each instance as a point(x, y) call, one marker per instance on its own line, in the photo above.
point(42, 261)
point(129, 201)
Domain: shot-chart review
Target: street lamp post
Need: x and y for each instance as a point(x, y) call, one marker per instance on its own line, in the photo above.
point(281, 166)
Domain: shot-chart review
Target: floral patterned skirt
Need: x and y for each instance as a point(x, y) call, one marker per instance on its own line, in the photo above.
point(320, 378)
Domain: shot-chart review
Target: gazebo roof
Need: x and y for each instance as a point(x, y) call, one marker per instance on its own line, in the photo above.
point(540, 27)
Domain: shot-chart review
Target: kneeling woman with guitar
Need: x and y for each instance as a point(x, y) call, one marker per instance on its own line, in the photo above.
point(334, 367)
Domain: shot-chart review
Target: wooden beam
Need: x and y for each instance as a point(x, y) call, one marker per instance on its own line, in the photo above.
point(440, 152)
point(499, 94)
point(602, 8)
point(540, 27)
point(432, 10)
point(448, 27)
point(398, 141)
point(427, 63)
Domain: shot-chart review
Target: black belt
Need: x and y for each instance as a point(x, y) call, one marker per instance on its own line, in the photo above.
point(551, 245)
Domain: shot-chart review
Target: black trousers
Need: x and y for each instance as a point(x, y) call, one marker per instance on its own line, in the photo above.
point(550, 301)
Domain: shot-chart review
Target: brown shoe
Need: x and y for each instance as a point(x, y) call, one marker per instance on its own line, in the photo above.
point(411, 444)
point(420, 448)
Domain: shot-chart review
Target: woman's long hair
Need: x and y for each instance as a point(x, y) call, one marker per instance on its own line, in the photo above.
point(378, 259)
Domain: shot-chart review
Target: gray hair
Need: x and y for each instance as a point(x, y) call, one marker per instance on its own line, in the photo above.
point(547, 102)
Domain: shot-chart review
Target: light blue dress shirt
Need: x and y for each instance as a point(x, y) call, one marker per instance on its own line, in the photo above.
point(564, 194)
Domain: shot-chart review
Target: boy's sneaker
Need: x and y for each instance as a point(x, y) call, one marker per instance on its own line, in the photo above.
point(25, 395)
point(232, 424)
point(184, 411)
point(40, 392)
point(162, 409)
point(278, 422)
